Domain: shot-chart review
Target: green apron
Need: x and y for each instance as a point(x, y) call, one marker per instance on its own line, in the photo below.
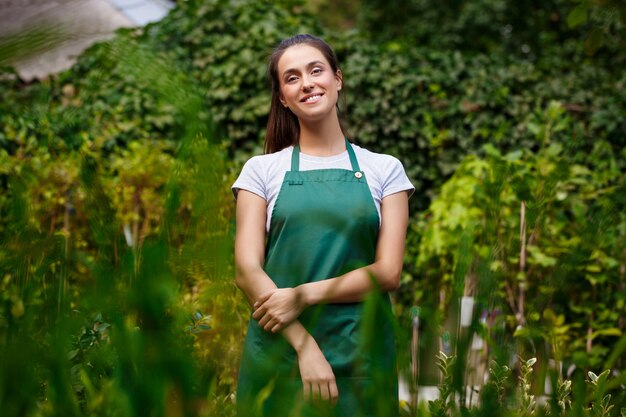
point(324, 224)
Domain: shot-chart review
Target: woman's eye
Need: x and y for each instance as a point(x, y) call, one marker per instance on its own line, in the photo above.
point(292, 79)
point(316, 70)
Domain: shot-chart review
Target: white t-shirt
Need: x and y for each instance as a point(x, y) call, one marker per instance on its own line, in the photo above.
point(263, 175)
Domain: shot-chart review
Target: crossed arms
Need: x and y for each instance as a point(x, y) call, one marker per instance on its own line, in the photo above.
point(277, 309)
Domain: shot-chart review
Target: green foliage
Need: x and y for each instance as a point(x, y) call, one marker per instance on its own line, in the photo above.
point(516, 399)
point(546, 243)
point(494, 391)
point(526, 401)
point(445, 404)
point(102, 210)
point(434, 108)
point(535, 31)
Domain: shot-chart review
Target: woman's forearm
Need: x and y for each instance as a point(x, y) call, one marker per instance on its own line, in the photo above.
point(297, 336)
point(253, 281)
point(353, 286)
point(383, 274)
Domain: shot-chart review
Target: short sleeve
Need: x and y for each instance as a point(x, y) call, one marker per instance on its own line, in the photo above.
point(395, 179)
point(251, 178)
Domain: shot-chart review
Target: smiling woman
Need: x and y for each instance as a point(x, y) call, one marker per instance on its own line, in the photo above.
point(321, 224)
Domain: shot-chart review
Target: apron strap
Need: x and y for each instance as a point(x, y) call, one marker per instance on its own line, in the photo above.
point(353, 160)
point(295, 157)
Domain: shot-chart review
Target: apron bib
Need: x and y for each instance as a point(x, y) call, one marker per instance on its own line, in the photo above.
point(324, 224)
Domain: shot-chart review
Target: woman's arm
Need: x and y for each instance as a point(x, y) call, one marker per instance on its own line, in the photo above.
point(317, 375)
point(277, 307)
point(386, 270)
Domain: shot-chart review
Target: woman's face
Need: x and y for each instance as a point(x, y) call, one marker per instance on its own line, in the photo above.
point(308, 85)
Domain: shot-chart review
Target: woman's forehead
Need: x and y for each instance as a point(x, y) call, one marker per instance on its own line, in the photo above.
point(299, 56)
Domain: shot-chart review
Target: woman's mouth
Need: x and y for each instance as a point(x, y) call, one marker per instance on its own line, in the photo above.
point(312, 99)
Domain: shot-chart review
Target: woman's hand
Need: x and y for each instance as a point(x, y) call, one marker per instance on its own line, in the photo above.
point(318, 379)
point(278, 307)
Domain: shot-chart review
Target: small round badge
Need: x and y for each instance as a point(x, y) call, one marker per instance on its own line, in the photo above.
point(358, 174)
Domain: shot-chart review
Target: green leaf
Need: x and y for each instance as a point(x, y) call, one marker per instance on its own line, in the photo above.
point(540, 258)
point(578, 15)
point(72, 354)
point(103, 327)
point(594, 41)
point(491, 150)
point(613, 331)
point(514, 156)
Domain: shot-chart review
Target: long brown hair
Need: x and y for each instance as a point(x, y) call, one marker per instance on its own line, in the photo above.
point(283, 128)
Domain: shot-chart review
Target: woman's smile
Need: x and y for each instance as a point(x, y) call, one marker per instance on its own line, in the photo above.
point(312, 98)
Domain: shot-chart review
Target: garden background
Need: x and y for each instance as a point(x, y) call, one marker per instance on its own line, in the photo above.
point(116, 217)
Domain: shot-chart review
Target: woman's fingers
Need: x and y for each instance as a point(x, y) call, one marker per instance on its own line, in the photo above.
point(333, 391)
point(324, 391)
point(315, 391)
point(306, 388)
point(276, 309)
point(267, 322)
point(329, 391)
point(264, 320)
point(277, 327)
point(263, 298)
point(258, 313)
point(269, 325)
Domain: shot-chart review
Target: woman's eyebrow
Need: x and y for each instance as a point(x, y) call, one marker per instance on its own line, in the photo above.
point(309, 65)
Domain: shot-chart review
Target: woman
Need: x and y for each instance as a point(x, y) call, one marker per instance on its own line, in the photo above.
point(320, 236)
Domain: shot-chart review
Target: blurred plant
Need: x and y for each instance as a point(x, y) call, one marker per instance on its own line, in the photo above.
point(536, 237)
point(526, 400)
point(69, 193)
point(445, 405)
point(563, 393)
point(498, 380)
point(516, 28)
point(91, 362)
point(199, 323)
point(605, 18)
point(601, 404)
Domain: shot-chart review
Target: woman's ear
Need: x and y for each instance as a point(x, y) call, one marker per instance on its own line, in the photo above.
point(339, 77)
point(282, 100)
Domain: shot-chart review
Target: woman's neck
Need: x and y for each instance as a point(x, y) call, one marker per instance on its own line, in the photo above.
point(322, 138)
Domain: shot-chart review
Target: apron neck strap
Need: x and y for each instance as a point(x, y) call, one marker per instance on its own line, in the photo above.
point(353, 160)
point(295, 157)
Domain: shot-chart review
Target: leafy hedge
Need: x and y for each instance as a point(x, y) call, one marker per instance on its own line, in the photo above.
point(554, 34)
point(433, 108)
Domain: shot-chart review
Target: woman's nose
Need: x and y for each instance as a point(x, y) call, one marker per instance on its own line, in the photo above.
point(307, 84)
